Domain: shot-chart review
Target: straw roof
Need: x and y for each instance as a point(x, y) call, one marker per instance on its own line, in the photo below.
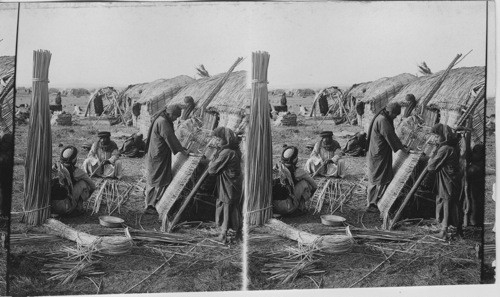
point(358, 90)
point(163, 87)
point(233, 97)
point(453, 93)
point(132, 91)
point(386, 87)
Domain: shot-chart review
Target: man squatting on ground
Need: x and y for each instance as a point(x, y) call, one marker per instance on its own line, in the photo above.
point(226, 165)
point(71, 185)
point(326, 157)
point(161, 143)
point(102, 159)
point(294, 186)
point(382, 141)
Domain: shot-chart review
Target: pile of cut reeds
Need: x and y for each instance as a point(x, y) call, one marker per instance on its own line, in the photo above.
point(32, 238)
point(286, 266)
point(68, 263)
point(335, 193)
point(374, 234)
point(154, 236)
point(115, 193)
point(258, 169)
point(37, 167)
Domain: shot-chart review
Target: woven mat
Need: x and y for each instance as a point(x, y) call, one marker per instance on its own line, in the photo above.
point(184, 169)
point(403, 166)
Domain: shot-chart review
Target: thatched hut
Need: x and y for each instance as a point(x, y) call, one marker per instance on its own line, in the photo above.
point(78, 92)
point(304, 92)
point(453, 97)
point(151, 97)
point(378, 93)
point(7, 92)
point(228, 106)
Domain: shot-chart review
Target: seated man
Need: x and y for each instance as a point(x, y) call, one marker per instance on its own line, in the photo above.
point(70, 185)
point(356, 146)
point(102, 159)
point(293, 187)
point(325, 158)
point(134, 146)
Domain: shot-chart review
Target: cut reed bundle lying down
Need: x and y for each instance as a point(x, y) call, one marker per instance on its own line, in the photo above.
point(37, 167)
point(258, 169)
point(109, 245)
point(332, 244)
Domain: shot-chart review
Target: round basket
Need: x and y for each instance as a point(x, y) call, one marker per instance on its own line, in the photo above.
point(332, 220)
point(111, 222)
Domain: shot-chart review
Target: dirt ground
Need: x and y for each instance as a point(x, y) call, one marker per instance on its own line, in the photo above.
point(205, 265)
point(423, 261)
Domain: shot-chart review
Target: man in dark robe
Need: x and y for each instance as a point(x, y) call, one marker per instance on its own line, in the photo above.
point(160, 145)
point(226, 165)
point(382, 141)
point(6, 165)
point(134, 146)
point(356, 146)
point(476, 187)
point(446, 164)
point(283, 102)
point(323, 103)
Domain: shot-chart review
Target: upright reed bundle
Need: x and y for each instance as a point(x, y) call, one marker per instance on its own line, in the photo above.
point(258, 168)
point(37, 167)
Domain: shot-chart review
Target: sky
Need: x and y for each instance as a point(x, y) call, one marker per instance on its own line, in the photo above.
point(8, 28)
point(310, 44)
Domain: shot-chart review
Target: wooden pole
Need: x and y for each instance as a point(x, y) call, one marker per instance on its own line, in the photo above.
point(407, 198)
point(219, 85)
point(187, 200)
point(438, 84)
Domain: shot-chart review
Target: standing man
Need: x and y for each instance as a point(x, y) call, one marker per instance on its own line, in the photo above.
point(382, 141)
point(323, 103)
point(160, 145)
point(102, 159)
point(283, 102)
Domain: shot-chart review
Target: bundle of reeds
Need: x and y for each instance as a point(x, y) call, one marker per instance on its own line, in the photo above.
point(37, 167)
point(160, 237)
point(333, 244)
point(374, 234)
point(258, 169)
point(32, 238)
point(109, 245)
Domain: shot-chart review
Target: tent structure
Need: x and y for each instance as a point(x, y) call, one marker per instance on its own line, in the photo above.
point(7, 93)
point(104, 102)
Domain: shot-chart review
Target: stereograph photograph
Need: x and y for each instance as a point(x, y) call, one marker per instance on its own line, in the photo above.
point(329, 146)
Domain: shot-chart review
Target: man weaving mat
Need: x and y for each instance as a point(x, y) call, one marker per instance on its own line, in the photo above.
point(325, 159)
point(160, 145)
point(382, 141)
point(70, 185)
point(293, 186)
point(103, 158)
point(134, 146)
